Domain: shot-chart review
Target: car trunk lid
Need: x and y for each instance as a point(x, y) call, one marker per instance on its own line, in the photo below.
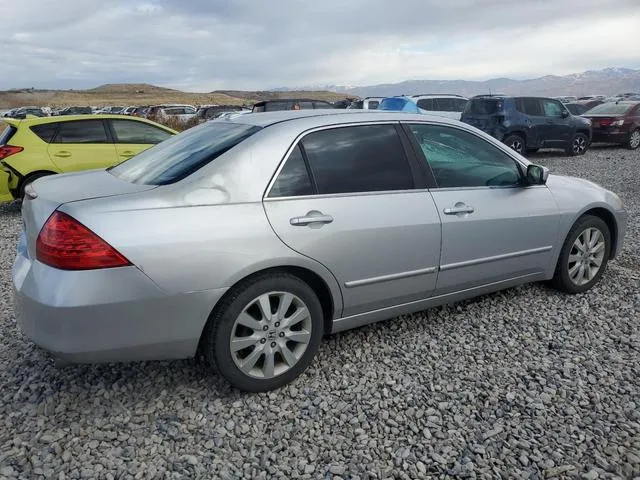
point(47, 194)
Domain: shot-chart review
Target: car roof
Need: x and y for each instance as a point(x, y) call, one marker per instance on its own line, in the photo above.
point(453, 95)
point(322, 117)
point(67, 118)
point(275, 100)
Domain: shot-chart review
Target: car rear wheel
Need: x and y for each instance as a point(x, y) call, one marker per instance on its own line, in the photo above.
point(578, 145)
point(515, 142)
point(265, 332)
point(584, 255)
point(634, 139)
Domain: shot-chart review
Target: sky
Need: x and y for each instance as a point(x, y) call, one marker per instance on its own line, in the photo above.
point(204, 45)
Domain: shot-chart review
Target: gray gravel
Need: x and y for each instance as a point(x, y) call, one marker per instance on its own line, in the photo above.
point(522, 383)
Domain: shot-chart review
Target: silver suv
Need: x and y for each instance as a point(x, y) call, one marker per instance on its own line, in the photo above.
point(444, 105)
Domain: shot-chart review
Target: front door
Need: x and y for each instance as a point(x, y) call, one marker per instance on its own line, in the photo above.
point(493, 228)
point(81, 145)
point(557, 127)
point(346, 197)
point(133, 136)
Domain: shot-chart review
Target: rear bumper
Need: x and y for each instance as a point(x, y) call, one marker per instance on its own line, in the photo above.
point(606, 137)
point(109, 315)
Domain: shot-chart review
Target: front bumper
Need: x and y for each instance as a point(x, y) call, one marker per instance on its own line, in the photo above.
point(108, 315)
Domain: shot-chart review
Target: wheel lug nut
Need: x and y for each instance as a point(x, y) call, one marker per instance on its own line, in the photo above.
point(273, 344)
point(263, 340)
point(282, 334)
point(265, 328)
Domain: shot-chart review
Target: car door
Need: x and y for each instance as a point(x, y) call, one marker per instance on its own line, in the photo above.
point(533, 120)
point(346, 196)
point(493, 228)
point(132, 137)
point(557, 126)
point(82, 145)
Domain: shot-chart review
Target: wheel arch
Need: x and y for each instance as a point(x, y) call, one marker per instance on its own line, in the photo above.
point(609, 218)
point(29, 177)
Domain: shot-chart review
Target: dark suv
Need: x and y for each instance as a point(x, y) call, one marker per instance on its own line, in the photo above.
point(529, 123)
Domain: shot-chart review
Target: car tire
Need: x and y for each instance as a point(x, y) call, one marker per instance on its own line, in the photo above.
point(578, 145)
point(30, 179)
point(269, 353)
point(515, 142)
point(634, 139)
point(571, 275)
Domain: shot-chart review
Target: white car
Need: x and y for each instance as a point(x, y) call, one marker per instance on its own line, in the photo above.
point(182, 113)
point(443, 105)
point(368, 103)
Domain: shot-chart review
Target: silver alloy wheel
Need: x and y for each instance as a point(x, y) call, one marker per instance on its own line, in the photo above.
point(634, 141)
point(516, 145)
point(579, 144)
point(270, 335)
point(586, 256)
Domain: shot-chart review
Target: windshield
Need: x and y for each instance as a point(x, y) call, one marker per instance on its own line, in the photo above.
point(183, 154)
point(610, 109)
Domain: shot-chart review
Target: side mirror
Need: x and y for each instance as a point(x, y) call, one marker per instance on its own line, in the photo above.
point(565, 113)
point(537, 175)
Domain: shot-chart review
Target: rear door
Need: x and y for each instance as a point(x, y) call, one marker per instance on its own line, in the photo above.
point(82, 145)
point(346, 196)
point(132, 137)
point(556, 129)
point(493, 229)
point(535, 122)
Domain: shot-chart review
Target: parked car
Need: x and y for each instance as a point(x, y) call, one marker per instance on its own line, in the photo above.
point(592, 97)
point(128, 110)
point(141, 111)
point(289, 104)
point(444, 105)
point(23, 112)
point(345, 103)
point(210, 112)
point(617, 122)
point(566, 99)
point(528, 123)
point(368, 103)
point(589, 104)
point(161, 113)
point(115, 109)
point(576, 108)
point(37, 147)
point(195, 246)
point(76, 111)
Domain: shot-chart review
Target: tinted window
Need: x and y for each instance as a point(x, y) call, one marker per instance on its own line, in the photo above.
point(366, 158)
point(303, 105)
point(319, 105)
point(181, 155)
point(460, 103)
point(293, 180)
point(445, 104)
point(576, 108)
point(461, 159)
point(46, 131)
point(532, 106)
point(373, 104)
point(129, 131)
point(427, 104)
point(356, 105)
point(552, 108)
point(483, 106)
point(81, 131)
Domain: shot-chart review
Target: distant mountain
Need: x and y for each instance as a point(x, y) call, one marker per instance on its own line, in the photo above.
point(608, 81)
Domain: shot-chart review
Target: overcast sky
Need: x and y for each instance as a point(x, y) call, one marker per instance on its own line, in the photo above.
point(202, 45)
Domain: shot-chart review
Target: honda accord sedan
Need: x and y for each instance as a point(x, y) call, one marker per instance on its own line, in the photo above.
point(246, 240)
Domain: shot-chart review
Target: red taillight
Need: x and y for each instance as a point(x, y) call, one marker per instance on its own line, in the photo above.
point(8, 150)
point(65, 243)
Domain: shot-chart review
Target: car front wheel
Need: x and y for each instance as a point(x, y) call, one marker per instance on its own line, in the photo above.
point(578, 145)
point(584, 255)
point(634, 139)
point(265, 332)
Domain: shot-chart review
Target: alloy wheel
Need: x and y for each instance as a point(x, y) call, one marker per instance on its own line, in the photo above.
point(586, 256)
point(634, 141)
point(579, 145)
point(270, 335)
point(516, 145)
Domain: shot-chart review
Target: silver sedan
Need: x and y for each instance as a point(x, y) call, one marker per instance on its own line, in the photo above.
point(246, 240)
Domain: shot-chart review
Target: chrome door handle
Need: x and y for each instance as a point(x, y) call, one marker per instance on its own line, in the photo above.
point(128, 153)
point(459, 209)
point(310, 218)
point(62, 154)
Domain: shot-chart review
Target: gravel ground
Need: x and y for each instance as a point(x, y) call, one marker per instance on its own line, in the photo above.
point(522, 383)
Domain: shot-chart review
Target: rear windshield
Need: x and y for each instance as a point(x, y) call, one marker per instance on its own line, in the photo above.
point(6, 134)
point(611, 109)
point(181, 155)
point(483, 106)
point(394, 104)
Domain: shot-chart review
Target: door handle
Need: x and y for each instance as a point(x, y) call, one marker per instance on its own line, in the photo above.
point(310, 218)
point(458, 209)
point(127, 153)
point(62, 154)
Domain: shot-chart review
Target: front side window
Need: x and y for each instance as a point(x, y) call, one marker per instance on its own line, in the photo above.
point(461, 159)
point(293, 180)
point(130, 131)
point(366, 158)
point(552, 108)
point(81, 131)
point(183, 154)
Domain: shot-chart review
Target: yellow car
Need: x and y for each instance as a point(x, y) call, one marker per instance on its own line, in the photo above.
point(39, 146)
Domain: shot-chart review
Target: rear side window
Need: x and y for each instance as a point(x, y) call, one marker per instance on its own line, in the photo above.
point(293, 180)
point(46, 131)
point(81, 131)
point(365, 158)
point(445, 104)
point(427, 104)
point(484, 106)
point(130, 131)
point(181, 155)
point(530, 106)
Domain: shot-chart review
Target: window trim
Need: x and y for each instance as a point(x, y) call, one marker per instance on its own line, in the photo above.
point(107, 132)
point(114, 136)
point(426, 166)
point(418, 179)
